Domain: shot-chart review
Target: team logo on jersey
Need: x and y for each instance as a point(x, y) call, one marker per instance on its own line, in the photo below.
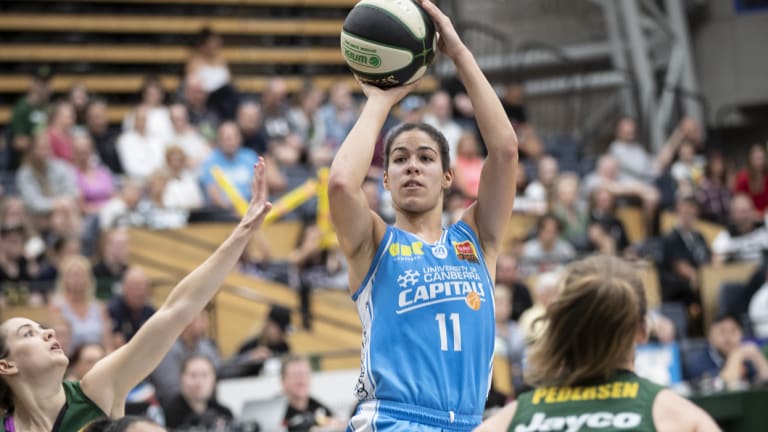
point(408, 278)
point(440, 251)
point(440, 284)
point(465, 251)
point(406, 252)
point(473, 300)
point(575, 423)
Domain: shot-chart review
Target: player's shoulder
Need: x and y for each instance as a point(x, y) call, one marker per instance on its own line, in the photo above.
point(672, 412)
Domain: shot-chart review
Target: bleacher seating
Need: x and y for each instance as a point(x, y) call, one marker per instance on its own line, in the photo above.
point(244, 301)
point(111, 47)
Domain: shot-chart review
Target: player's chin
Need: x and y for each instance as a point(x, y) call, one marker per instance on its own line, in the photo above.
point(416, 205)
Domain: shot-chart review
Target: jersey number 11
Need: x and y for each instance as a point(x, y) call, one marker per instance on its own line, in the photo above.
point(456, 330)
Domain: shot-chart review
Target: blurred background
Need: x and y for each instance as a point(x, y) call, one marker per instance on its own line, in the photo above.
point(129, 128)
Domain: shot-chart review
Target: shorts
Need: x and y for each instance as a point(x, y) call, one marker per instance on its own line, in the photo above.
point(386, 416)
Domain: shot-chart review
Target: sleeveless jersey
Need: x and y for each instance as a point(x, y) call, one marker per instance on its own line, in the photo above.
point(428, 325)
point(76, 414)
point(622, 403)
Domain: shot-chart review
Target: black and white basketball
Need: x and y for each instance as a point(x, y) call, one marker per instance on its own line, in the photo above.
point(388, 43)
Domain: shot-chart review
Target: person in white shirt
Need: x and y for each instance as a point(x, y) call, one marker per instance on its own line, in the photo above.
point(182, 191)
point(158, 119)
point(635, 162)
point(539, 191)
point(140, 153)
point(438, 115)
point(744, 239)
point(123, 209)
point(187, 137)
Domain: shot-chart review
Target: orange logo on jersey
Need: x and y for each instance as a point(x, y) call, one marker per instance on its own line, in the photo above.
point(473, 300)
point(465, 251)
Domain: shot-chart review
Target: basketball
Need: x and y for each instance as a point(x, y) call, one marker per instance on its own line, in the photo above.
point(388, 43)
point(473, 300)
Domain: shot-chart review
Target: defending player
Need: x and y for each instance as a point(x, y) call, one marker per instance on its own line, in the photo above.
point(582, 365)
point(32, 364)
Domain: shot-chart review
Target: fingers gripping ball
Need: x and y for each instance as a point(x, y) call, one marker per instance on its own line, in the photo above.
point(388, 43)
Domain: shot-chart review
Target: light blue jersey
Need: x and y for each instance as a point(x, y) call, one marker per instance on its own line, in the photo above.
point(428, 331)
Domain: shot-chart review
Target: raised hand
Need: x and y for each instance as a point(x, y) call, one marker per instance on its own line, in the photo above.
point(390, 96)
point(259, 205)
point(448, 42)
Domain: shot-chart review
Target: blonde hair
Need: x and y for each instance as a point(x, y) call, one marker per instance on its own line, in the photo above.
point(73, 262)
point(591, 325)
point(174, 149)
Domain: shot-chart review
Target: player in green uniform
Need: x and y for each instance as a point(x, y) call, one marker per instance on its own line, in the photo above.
point(32, 364)
point(582, 365)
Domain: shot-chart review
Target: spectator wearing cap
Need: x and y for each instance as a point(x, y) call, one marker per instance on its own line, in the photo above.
point(29, 116)
point(728, 357)
point(192, 342)
point(270, 343)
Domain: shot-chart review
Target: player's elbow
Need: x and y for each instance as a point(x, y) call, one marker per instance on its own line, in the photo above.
point(507, 148)
point(340, 184)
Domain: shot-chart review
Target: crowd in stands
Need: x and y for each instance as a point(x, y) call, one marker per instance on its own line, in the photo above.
point(73, 183)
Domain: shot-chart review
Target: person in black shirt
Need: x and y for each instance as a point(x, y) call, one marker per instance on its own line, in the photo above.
point(196, 408)
point(251, 128)
point(103, 137)
point(602, 216)
point(684, 251)
point(131, 309)
point(254, 352)
point(16, 270)
point(112, 265)
point(513, 102)
point(124, 424)
point(506, 274)
point(303, 411)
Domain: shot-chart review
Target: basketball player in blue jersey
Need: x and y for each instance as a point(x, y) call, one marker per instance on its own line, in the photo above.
point(424, 292)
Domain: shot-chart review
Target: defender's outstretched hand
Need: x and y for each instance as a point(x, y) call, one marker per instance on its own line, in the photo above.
point(448, 42)
point(259, 205)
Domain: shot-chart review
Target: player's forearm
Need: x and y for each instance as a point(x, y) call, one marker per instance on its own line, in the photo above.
point(497, 131)
point(194, 291)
